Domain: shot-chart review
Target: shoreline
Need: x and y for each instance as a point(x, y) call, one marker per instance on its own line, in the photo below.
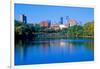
point(50, 36)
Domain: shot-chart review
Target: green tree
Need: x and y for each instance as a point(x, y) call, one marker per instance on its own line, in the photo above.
point(89, 29)
point(75, 30)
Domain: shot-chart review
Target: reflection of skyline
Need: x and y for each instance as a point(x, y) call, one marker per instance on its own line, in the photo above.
point(46, 47)
point(22, 49)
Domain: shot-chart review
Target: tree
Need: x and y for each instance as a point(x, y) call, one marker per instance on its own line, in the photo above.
point(75, 30)
point(89, 29)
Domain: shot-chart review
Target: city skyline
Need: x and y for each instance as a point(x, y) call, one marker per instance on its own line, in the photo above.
point(38, 13)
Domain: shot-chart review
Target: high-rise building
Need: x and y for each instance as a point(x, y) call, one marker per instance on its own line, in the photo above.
point(61, 22)
point(23, 19)
point(49, 22)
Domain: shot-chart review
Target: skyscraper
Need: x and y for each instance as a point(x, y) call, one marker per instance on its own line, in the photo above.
point(23, 19)
point(61, 22)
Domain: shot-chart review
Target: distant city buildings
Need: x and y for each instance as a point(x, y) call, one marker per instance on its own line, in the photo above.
point(61, 22)
point(23, 18)
point(56, 26)
point(45, 24)
point(72, 22)
point(62, 26)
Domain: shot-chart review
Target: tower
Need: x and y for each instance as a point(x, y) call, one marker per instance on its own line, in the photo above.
point(61, 22)
point(23, 19)
point(49, 23)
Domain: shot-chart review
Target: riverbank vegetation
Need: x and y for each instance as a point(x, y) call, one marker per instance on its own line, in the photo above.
point(24, 31)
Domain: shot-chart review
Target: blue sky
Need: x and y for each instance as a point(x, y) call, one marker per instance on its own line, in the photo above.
point(38, 13)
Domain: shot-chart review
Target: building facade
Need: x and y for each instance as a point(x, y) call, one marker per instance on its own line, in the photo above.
point(45, 24)
point(23, 18)
point(72, 22)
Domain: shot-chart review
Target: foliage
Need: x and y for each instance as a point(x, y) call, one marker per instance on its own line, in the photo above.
point(22, 29)
point(89, 29)
point(75, 30)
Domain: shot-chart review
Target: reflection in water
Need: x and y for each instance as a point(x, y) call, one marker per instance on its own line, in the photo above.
point(52, 51)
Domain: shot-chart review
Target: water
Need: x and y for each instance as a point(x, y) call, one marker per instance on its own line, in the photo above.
point(53, 51)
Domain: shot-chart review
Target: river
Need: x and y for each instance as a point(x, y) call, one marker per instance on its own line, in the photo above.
point(53, 51)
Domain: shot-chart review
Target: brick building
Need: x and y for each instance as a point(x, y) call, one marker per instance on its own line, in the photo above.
point(45, 24)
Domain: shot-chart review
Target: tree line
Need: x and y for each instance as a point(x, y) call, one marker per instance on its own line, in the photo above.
point(28, 30)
